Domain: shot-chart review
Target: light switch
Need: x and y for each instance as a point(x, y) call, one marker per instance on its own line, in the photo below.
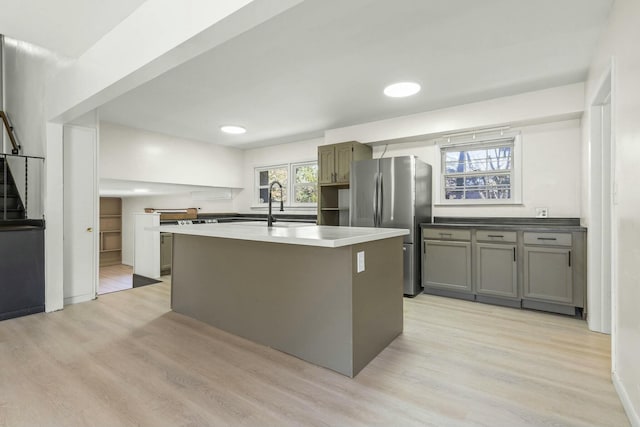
point(360, 257)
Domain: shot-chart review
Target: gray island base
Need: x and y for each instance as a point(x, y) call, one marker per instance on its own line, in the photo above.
point(307, 301)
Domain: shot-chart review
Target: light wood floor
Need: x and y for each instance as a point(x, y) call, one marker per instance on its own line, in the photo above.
point(126, 359)
point(115, 278)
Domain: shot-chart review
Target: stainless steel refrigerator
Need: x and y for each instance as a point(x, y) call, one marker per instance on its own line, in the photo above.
point(393, 192)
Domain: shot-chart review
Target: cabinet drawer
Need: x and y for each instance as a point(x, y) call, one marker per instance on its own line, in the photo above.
point(446, 234)
point(496, 236)
point(547, 239)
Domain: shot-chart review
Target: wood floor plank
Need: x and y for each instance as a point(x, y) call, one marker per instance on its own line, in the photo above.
point(115, 278)
point(125, 359)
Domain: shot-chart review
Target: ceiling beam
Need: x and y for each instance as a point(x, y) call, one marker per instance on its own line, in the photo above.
point(156, 37)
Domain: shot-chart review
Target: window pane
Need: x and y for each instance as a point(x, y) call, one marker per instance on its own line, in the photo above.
point(455, 167)
point(454, 194)
point(306, 173)
point(279, 175)
point(475, 181)
point(454, 182)
point(264, 177)
point(454, 156)
point(476, 160)
point(499, 193)
point(498, 179)
point(473, 194)
point(276, 194)
point(306, 194)
point(499, 158)
point(264, 193)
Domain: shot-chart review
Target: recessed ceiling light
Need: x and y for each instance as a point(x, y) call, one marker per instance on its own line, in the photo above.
point(140, 190)
point(236, 130)
point(402, 89)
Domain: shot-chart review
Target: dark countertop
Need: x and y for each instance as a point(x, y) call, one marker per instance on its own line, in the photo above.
point(498, 223)
point(21, 224)
point(235, 217)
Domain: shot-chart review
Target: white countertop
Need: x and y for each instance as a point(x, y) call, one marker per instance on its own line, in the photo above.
point(287, 232)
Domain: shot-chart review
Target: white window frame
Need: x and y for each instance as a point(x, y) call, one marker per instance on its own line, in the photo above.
point(290, 185)
point(468, 142)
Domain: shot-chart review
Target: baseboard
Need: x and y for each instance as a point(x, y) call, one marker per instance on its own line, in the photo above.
point(632, 412)
point(79, 298)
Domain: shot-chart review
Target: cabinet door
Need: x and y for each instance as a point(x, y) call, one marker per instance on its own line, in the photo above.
point(496, 272)
point(344, 155)
point(447, 265)
point(326, 161)
point(547, 274)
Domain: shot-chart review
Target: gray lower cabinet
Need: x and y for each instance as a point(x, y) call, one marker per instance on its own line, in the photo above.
point(548, 275)
point(447, 265)
point(496, 270)
point(540, 269)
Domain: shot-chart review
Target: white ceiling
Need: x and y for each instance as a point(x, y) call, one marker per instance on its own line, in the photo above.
point(68, 27)
point(323, 64)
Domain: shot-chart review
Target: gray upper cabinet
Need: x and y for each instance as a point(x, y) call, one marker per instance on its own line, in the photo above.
point(496, 270)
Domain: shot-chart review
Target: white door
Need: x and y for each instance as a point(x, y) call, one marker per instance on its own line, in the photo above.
point(80, 214)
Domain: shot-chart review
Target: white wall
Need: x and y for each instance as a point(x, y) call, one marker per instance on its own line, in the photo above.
point(28, 68)
point(619, 42)
point(551, 164)
point(134, 205)
point(285, 153)
point(137, 155)
point(564, 102)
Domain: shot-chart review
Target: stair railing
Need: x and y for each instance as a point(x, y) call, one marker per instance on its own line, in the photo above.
point(27, 186)
point(14, 143)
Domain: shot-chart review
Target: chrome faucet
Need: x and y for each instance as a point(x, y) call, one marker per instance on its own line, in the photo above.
point(270, 218)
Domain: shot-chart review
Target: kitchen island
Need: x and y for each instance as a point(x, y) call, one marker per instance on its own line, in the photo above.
point(329, 295)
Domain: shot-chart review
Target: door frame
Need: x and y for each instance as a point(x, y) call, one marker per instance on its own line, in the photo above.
point(602, 235)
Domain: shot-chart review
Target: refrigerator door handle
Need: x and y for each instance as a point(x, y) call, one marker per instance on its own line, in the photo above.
point(380, 202)
point(375, 200)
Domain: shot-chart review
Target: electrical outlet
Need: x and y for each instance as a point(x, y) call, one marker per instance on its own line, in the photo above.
point(360, 266)
point(542, 212)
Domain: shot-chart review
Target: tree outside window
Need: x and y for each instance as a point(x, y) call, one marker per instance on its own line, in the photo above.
point(305, 185)
point(478, 172)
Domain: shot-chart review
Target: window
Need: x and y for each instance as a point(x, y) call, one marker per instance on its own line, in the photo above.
point(305, 184)
point(266, 176)
point(300, 182)
point(480, 172)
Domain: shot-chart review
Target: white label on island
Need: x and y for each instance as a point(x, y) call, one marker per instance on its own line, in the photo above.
point(360, 267)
